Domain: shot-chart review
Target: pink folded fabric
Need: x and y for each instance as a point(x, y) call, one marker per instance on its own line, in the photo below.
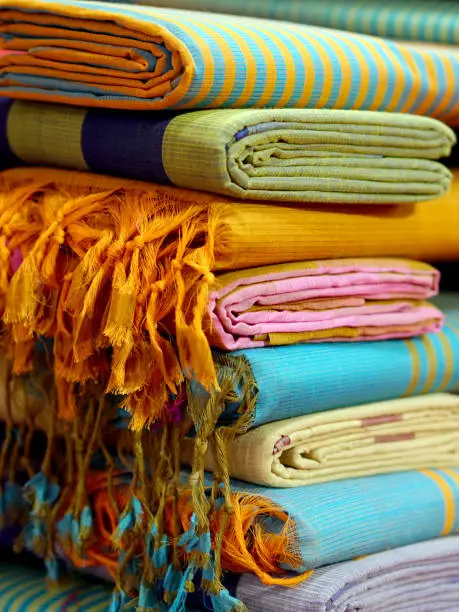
point(318, 301)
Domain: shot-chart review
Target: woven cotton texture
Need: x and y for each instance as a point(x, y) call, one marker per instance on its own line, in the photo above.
point(317, 377)
point(331, 300)
point(304, 155)
point(100, 54)
point(408, 20)
point(417, 577)
point(392, 436)
point(24, 589)
point(339, 521)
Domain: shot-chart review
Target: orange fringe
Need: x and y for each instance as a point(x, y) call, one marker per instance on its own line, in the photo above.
point(247, 545)
point(105, 264)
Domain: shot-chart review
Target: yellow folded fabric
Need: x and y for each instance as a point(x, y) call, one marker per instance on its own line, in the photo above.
point(100, 262)
point(392, 436)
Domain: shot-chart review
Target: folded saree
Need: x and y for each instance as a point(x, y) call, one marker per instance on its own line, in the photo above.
point(302, 155)
point(334, 300)
point(139, 57)
point(410, 20)
point(418, 577)
point(392, 436)
point(101, 263)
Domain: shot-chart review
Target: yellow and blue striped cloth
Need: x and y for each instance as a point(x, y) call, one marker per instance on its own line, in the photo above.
point(421, 20)
point(139, 57)
point(23, 588)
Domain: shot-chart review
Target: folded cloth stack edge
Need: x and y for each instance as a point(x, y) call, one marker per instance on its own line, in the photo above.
point(282, 155)
point(188, 61)
point(421, 574)
point(416, 20)
point(113, 232)
point(393, 436)
point(332, 300)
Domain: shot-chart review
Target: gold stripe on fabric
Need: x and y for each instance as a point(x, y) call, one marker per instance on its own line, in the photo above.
point(448, 498)
point(432, 364)
point(449, 361)
point(416, 367)
point(47, 134)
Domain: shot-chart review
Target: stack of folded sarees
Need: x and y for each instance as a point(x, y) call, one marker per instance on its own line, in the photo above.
point(222, 362)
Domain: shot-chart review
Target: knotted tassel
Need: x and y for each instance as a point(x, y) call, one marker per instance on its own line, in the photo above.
point(41, 494)
point(120, 599)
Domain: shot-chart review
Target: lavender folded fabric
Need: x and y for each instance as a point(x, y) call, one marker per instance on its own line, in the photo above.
point(419, 578)
point(331, 300)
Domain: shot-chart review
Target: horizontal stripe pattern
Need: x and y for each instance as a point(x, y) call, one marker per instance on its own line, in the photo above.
point(419, 576)
point(317, 377)
point(23, 589)
point(339, 521)
point(290, 155)
point(222, 61)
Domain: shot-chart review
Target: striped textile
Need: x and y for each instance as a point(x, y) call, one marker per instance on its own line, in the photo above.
point(421, 20)
point(342, 520)
point(138, 57)
point(23, 589)
point(334, 300)
point(314, 378)
point(422, 576)
point(304, 155)
point(379, 438)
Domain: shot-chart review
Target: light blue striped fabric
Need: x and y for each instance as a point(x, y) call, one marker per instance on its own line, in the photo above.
point(339, 521)
point(23, 589)
point(301, 379)
point(245, 63)
point(422, 20)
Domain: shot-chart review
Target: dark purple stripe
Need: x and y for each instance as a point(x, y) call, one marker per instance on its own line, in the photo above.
point(7, 157)
point(126, 144)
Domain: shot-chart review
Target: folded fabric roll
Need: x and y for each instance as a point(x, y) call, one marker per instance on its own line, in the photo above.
point(418, 577)
point(392, 436)
point(304, 528)
point(334, 300)
point(312, 378)
point(304, 155)
point(97, 262)
point(24, 589)
point(119, 56)
point(409, 20)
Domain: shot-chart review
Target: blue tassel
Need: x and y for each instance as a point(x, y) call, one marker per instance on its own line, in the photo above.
point(41, 491)
point(149, 599)
point(130, 519)
point(64, 527)
point(119, 600)
point(86, 523)
point(179, 601)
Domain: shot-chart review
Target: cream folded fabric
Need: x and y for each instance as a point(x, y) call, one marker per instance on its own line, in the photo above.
point(392, 436)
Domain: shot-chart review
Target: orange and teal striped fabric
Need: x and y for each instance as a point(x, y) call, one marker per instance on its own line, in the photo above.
point(23, 589)
point(421, 20)
point(139, 57)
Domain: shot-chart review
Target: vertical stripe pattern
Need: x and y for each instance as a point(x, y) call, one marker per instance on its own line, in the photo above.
point(222, 61)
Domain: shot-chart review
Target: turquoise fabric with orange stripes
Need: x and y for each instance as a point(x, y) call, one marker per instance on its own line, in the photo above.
point(24, 589)
point(421, 20)
point(339, 521)
point(139, 57)
point(316, 377)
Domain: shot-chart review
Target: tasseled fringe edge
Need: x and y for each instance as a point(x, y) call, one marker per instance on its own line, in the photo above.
point(154, 537)
point(104, 267)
